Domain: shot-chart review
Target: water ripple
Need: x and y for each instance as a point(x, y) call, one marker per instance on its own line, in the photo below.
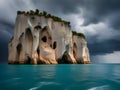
point(39, 85)
point(103, 87)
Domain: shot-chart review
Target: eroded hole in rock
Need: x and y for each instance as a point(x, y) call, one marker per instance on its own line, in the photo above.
point(51, 45)
point(67, 47)
point(37, 27)
point(19, 48)
point(44, 39)
point(28, 34)
point(38, 51)
point(41, 62)
point(28, 31)
point(45, 28)
point(64, 59)
point(21, 36)
point(74, 53)
point(54, 45)
point(28, 61)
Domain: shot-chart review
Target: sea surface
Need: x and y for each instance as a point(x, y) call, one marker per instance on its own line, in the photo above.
point(60, 77)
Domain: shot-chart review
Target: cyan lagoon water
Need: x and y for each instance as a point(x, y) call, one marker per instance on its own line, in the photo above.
point(60, 77)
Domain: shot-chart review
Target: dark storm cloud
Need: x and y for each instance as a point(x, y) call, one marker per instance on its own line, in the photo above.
point(93, 11)
point(6, 32)
point(61, 6)
point(96, 11)
point(6, 26)
point(3, 50)
point(104, 47)
point(114, 20)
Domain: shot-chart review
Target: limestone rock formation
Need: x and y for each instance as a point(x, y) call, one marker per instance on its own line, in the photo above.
point(41, 38)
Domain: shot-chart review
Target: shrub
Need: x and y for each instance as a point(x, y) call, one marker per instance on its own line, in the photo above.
point(37, 12)
point(79, 34)
point(49, 16)
point(20, 12)
point(32, 12)
point(44, 13)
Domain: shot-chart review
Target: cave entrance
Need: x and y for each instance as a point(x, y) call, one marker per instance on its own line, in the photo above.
point(54, 45)
point(19, 49)
point(44, 39)
point(38, 51)
point(28, 61)
point(28, 34)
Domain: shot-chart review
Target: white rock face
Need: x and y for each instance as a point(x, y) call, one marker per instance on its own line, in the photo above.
point(41, 40)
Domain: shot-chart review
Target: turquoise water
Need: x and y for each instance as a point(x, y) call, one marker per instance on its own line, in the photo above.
point(60, 77)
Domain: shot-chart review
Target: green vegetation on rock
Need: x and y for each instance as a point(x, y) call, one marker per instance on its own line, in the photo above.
point(21, 12)
point(78, 34)
point(45, 14)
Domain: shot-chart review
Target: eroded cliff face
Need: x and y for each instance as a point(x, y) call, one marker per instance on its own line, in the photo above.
point(42, 40)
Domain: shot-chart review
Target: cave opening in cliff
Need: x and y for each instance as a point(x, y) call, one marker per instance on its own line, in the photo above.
point(54, 45)
point(28, 60)
point(28, 34)
point(65, 59)
point(44, 39)
point(20, 38)
point(19, 48)
point(37, 27)
point(38, 51)
point(51, 45)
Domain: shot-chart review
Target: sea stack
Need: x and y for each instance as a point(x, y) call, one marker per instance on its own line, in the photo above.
point(41, 38)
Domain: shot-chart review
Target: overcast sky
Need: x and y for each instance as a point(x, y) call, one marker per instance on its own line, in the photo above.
point(99, 20)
